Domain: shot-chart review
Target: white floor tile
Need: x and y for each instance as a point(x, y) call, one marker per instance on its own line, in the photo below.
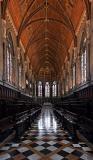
point(5, 156)
point(34, 157)
point(68, 150)
point(15, 145)
point(40, 142)
point(52, 148)
point(22, 149)
point(26, 141)
point(65, 142)
point(51, 142)
point(86, 149)
point(53, 137)
point(56, 157)
point(76, 145)
point(5, 148)
point(39, 148)
point(86, 157)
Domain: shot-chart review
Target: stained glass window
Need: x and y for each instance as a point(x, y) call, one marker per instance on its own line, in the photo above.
point(20, 69)
point(8, 66)
point(47, 89)
point(39, 89)
point(20, 75)
point(54, 89)
point(74, 75)
point(9, 59)
point(83, 61)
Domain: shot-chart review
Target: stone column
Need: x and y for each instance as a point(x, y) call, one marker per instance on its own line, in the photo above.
point(91, 43)
point(88, 49)
point(18, 61)
point(51, 89)
point(1, 48)
point(23, 74)
point(4, 48)
point(43, 89)
point(36, 89)
point(78, 71)
point(75, 61)
point(58, 89)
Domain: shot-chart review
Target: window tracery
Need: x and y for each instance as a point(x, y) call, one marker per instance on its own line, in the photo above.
point(10, 59)
point(83, 58)
point(39, 89)
point(20, 66)
point(47, 89)
point(54, 89)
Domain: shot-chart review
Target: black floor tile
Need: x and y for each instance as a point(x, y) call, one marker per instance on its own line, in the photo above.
point(28, 153)
point(59, 139)
point(46, 145)
point(33, 145)
point(77, 153)
point(45, 151)
point(63, 153)
point(57, 145)
point(14, 153)
point(46, 140)
point(83, 145)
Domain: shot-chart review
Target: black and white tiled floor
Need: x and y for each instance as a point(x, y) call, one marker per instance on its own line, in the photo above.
point(46, 140)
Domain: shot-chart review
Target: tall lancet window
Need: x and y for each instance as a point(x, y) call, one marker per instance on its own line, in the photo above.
point(20, 69)
point(83, 59)
point(47, 89)
point(10, 76)
point(74, 75)
point(20, 75)
point(54, 89)
point(73, 68)
point(39, 89)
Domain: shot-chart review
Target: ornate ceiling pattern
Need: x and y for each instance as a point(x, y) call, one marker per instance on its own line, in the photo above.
point(47, 28)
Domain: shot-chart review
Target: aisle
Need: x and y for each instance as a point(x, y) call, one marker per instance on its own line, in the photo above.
point(46, 140)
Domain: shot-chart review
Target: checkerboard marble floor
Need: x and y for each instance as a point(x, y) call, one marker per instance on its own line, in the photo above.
point(46, 140)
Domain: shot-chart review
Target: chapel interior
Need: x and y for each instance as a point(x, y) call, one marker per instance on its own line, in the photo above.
point(46, 79)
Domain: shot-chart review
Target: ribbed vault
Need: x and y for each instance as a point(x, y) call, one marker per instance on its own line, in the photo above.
point(46, 28)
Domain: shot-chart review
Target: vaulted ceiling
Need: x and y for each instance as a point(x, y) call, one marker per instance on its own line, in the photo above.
point(47, 28)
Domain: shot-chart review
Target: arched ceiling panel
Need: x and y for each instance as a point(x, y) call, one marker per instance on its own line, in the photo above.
point(46, 29)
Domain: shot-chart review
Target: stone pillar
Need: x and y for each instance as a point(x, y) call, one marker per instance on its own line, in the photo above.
point(1, 48)
point(33, 88)
point(58, 89)
point(91, 43)
point(43, 89)
point(88, 49)
point(51, 89)
point(18, 61)
point(75, 61)
point(78, 71)
point(23, 74)
point(70, 76)
point(4, 48)
point(64, 88)
point(36, 89)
